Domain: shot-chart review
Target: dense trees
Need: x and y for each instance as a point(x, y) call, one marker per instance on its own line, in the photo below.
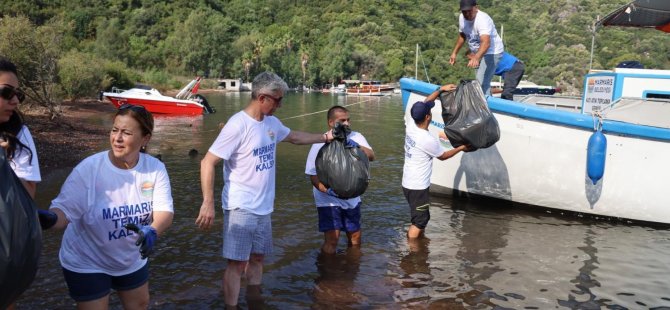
point(310, 43)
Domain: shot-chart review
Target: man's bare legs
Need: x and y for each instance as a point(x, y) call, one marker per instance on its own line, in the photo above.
point(414, 232)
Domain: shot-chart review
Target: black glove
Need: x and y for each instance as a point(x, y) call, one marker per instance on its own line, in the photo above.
point(47, 218)
point(147, 238)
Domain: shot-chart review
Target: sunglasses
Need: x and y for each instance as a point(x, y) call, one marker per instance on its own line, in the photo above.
point(8, 92)
point(277, 100)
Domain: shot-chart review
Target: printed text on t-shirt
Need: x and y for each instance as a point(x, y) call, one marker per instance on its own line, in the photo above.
point(266, 157)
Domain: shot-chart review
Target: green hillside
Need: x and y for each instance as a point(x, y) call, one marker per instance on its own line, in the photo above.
point(307, 42)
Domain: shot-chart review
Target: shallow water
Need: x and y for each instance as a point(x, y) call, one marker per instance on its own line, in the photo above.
point(478, 255)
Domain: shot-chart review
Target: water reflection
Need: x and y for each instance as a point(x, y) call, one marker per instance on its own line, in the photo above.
point(479, 251)
point(585, 280)
point(478, 254)
point(335, 284)
point(416, 268)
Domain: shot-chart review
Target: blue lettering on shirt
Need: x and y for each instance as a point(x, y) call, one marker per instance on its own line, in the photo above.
point(409, 143)
point(139, 214)
point(266, 157)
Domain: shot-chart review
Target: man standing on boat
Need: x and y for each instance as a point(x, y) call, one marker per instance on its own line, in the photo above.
point(511, 69)
point(477, 28)
point(420, 149)
point(336, 214)
point(248, 144)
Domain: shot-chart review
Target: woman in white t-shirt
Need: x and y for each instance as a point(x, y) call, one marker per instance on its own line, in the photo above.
point(15, 137)
point(111, 203)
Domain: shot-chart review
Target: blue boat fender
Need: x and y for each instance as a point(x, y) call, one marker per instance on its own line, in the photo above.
point(595, 156)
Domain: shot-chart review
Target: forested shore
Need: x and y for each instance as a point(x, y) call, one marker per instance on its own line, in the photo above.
point(74, 48)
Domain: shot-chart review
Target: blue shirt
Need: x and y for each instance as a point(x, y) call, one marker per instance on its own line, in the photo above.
point(505, 63)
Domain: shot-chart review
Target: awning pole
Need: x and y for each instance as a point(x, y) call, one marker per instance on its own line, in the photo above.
point(593, 41)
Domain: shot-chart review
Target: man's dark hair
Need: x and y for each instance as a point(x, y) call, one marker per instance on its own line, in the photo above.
point(331, 111)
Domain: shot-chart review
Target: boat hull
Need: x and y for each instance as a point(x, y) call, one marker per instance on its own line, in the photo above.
point(541, 162)
point(177, 107)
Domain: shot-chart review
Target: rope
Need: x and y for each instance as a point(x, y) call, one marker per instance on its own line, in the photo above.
point(323, 111)
point(306, 114)
point(597, 121)
point(424, 67)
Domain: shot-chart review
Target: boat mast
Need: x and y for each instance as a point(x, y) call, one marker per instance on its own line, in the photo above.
point(416, 63)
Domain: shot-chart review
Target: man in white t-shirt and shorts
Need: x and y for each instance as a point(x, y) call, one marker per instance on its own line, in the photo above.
point(477, 28)
point(336, 214)
point(248, 144)
point(420, 149)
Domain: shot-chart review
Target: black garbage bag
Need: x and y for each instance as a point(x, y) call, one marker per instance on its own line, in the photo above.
point(467, 118)
point(20, 235)
point(345, 170)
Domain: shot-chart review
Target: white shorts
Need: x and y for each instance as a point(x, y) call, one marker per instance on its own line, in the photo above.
point(245, 233)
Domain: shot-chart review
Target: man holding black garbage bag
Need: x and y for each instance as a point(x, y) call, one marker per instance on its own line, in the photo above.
point(337, 213)
point(247, 145)
point(420, 149)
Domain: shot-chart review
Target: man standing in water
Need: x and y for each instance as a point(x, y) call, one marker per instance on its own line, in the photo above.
point(420, 149)
point(477, 28)
point(248, 143)
point(337, 214)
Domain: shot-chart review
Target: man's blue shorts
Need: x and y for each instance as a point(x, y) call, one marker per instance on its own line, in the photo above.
point(92, 286)
point(336, 218)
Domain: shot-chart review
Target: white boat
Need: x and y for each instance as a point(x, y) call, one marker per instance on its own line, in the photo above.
point(542, 157)
point(340, 89)
point(186, 102)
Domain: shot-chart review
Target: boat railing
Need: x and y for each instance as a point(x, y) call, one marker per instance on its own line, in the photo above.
point(117, 90)
point(556, 102)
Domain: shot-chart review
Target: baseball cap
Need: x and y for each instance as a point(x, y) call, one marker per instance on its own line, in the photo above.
point(420, 109)
point(467, 4)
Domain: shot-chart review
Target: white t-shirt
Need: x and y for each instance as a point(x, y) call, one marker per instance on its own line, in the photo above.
point(248, 148)
point(420, 148)
point(322, 199)
point(98, 199)
point(23, 166)
point(482, 25)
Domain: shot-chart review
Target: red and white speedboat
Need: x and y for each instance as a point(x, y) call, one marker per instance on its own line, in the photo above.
point(186, 102)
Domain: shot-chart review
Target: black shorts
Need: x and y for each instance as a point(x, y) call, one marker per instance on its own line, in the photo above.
point(92, 286)
point(419, 203)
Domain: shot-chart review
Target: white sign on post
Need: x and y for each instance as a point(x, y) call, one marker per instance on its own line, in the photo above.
point(598, 93)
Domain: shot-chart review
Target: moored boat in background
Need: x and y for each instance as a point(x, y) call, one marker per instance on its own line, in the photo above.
point(186, 102)
point(367, 88)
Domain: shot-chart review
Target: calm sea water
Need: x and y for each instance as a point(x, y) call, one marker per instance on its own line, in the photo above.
point(478, 255)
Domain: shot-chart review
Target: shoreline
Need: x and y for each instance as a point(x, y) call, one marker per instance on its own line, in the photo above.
point(65, 142)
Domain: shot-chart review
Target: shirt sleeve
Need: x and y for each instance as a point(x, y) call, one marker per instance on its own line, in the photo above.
point(432, 146)
point(228, 140)
point(162, 198)
point(73, 196)
point(310, 165)
point(360, 139)
point(484, 26)
point(25, 166)
point(282, 131)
